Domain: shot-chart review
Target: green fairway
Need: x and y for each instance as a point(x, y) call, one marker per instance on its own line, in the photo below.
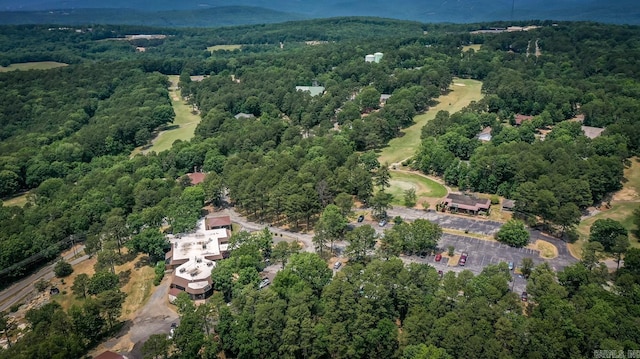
point(426, 189)
point(475, 47)
point(40, 65)
point(183, 126)
point(223, 47)
point(463, 92)
point(19, 200)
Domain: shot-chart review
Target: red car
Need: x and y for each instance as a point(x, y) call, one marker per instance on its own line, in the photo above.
point(463, 259)
point(438, 257)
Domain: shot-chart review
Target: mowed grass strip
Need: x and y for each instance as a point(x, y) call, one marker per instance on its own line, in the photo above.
point(463, 92)
point(223, 47)
point(424, 187)
point(39, 65)
point(183, 126)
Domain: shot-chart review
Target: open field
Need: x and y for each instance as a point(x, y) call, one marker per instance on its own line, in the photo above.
point(425, 188)
point(475, 47)
point(19, 200)
point(138, 288)
point(463, 92)
point(623, 203)
point(184, 125)
point(223, 47)
point(40, 65)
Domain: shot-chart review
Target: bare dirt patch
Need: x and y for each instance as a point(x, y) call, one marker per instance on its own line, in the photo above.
point(626, 194)
point(453, 261)
point(546, 249)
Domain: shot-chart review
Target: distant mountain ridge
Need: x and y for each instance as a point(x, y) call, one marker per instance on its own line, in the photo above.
point(210, 17)
point(460, 11)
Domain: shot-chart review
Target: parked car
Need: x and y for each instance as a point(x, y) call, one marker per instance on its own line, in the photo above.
point(440, 274)
point(383, 223)
point(438, 257)
point(524, 296)
point(463, 259)
point(265, 282)
point(337, 265)
point(511, 266)
point(360, 218)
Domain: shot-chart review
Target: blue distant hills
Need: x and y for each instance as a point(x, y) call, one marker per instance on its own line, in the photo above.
point(231, 12)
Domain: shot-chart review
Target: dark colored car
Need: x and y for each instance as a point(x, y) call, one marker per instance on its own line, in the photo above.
point(438, 257)
point(463, 259)
point(360, 218)
point(524, 296)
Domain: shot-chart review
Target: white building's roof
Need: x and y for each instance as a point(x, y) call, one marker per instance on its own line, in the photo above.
point(195, 247)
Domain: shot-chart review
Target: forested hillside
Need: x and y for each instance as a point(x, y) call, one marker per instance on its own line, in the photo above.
point(67, 136)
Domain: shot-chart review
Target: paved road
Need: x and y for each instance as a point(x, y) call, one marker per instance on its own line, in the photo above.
point(279, 234)
point(20, 290)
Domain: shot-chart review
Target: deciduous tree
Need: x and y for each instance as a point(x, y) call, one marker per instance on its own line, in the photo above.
point(606, 231)
point(513, 233)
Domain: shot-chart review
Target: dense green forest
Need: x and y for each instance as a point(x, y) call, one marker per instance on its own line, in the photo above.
point(67, 135)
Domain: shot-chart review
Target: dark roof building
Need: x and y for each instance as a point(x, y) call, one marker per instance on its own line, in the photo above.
point(461, 202)
point(519, 119)
point(508, 204)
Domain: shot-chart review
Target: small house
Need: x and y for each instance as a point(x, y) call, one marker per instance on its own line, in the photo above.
point(519, 119)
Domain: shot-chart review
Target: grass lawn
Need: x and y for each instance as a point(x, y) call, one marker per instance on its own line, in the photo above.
point(475, 47)
point(40, 65)
point(425, 187)
point(19, 201)
point(223, 47)
point(463, 91)
point(184, 125)
point(623, 204)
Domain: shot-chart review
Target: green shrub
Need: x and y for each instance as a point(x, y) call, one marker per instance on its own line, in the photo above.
point(159, 270)
point(62, 269)
point(495, 199)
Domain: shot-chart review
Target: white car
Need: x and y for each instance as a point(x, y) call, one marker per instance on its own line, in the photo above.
point(337, 265)
point(265, 282)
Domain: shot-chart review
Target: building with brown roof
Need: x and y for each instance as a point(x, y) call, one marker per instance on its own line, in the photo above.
point(217, 222)
point(456, 202)
point(196, 177)
point(193, 256)
point(519, 119)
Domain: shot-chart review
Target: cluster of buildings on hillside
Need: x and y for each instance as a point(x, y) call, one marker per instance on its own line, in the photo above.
point(519, 119)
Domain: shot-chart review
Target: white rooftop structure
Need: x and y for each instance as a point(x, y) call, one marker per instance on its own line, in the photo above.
point(195, 247)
